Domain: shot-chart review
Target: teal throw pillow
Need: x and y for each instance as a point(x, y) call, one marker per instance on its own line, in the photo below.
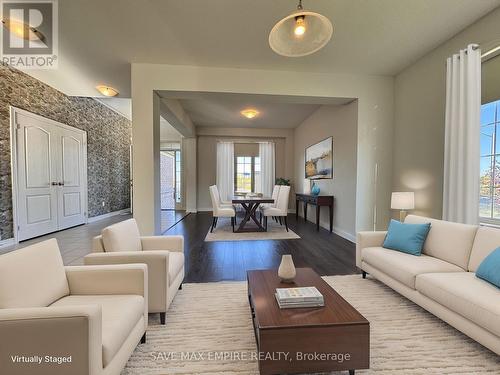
point(407, 238)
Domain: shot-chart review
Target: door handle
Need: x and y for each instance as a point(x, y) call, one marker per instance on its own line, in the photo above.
point(53, 183)
point(61, 183)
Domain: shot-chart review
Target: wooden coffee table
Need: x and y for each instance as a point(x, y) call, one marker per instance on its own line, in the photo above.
point(304, 340)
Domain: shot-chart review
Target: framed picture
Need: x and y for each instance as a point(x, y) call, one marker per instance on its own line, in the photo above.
point(319, 160)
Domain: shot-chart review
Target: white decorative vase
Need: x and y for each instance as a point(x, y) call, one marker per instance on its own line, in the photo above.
point(286, 270)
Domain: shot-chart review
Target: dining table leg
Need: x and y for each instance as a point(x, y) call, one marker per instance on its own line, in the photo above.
point(250, 213)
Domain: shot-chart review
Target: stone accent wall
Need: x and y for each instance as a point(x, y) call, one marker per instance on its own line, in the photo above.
point(108, 138)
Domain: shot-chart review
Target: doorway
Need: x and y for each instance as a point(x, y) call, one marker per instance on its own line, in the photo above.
point(49, 175)
point(170, 179)
point(171, 197)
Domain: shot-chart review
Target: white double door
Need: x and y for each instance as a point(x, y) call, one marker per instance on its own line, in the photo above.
point(51, 175)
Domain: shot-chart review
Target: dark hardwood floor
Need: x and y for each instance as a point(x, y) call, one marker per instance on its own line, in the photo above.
point(326, 253)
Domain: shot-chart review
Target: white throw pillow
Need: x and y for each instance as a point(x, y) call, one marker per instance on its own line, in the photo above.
point(123, 236)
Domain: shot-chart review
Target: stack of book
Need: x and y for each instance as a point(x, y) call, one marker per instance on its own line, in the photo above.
point(289, 298)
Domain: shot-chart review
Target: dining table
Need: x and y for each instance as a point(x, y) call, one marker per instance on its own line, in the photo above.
point(250, 204)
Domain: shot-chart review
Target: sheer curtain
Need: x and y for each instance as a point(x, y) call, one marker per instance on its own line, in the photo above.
point(267, 165)
point(225, 170)
point(462, 132)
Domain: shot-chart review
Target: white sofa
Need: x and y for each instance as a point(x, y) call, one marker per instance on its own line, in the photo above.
point(121, 243)
point(93, 316)
point(442, 280)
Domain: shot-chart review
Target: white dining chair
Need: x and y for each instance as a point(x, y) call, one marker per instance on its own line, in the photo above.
point(274, 196)
point(218, 210)
point(281, 209)
point(222, 203)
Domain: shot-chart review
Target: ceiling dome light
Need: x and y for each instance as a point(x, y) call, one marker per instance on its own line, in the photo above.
point(300, 33)
point(250, 113)
point(107, 90)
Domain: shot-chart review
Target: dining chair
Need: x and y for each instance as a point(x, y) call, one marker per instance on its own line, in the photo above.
point(221, 202)
point(219, 210)
point(281, 208)
point(274, 196)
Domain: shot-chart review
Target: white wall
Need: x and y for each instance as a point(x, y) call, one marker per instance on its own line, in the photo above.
point(419, 117)
point(375, 124)
point(339, 122)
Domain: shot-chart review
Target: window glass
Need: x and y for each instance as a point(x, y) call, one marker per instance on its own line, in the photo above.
point(489, 201)
point(487, 140)
point(247, 174)
point(488, 113)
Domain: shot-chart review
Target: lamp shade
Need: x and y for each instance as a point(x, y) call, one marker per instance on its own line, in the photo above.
point(403, 201)
point(316, 31)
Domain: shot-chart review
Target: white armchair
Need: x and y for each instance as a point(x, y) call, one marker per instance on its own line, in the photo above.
point(121, 243)
point(90, 319)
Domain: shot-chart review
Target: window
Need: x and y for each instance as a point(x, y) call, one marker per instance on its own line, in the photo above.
point(489, 201)
point(246, 173)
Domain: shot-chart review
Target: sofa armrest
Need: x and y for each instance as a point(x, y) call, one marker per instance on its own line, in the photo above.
point(368, 239)
point(71, 334)
point(157, 262)
point(111, 280)
point(171, 243)
point(108, 279)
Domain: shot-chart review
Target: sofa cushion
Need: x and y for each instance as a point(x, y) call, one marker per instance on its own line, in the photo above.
point(408, 238)
point(33, 276)
point(404, 267)
point(465, 294)
point(122, 236)
point(451, 242)
point(487, 239)
point(175, 265)
point(120, 314)
point(489, 269)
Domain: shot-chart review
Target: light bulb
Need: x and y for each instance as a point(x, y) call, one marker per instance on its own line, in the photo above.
point(300, 27)
point(249, 113)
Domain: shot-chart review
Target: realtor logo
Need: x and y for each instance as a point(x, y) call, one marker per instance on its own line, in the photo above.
point(29, 34)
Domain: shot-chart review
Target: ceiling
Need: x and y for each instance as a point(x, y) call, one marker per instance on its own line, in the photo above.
point(168, 132)
point(99, 39)
point(223, 109)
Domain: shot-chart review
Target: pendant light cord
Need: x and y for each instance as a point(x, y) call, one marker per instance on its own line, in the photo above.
point(299, 7)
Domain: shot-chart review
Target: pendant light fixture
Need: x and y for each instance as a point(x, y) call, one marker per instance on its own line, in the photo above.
point(301, 33)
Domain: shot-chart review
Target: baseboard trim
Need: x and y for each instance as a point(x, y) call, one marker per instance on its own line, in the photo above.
point(339, 232)
point(7, 242)
point(106, 216)
point(343, 234)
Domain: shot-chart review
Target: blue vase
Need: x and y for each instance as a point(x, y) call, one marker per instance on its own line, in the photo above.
point(315, 189)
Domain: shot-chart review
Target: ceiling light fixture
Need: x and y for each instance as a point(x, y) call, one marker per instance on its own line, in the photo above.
point(250, 113)
point(22, 30)
point(301, 33)
point(107, 90)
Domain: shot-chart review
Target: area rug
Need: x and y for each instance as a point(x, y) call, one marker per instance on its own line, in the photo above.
point(206, 321)
point(224, 232)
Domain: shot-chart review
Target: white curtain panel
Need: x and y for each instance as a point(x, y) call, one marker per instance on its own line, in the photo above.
point(225, 170)
point(267, 168)
point(462, 132)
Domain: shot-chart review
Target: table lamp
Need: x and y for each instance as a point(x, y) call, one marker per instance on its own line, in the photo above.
point(403, 201)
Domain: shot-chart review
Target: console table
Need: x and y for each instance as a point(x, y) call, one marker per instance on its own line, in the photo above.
point(315, 200)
